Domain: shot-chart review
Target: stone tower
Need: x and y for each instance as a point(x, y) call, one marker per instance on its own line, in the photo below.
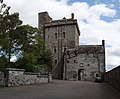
point(59, 35)
point(43, 18)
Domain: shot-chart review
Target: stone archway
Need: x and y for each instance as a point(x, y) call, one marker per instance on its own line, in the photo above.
point(79, 73)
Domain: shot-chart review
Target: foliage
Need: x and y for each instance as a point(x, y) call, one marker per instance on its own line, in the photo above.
point(23, 41)
point(8, 41)
point(46, 60)
point(3, 63)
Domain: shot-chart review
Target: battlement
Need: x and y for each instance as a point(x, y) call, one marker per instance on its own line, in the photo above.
point(63, 22)
point(44, 20)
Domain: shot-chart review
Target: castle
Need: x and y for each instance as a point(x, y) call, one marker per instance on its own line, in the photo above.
point(71, 61)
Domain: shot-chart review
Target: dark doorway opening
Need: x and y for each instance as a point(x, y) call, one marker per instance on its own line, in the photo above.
point(79, 74)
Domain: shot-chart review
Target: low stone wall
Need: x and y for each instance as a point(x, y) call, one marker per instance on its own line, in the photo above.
point(17, 77)
point(2, 79)
point(113, 77)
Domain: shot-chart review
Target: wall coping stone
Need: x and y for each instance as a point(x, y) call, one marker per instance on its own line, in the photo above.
point(14, 69)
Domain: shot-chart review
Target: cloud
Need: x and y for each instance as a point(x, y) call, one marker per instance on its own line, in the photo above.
point(102, 10)
point(13, 59)
point(93, 28)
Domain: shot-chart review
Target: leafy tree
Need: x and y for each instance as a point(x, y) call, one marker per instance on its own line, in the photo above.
point(8, 25)
point(8, 41)
point(32, 47)
point(23, 41)
point(34, 55)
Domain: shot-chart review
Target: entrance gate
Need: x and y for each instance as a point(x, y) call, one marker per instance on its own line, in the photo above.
point(79, 73)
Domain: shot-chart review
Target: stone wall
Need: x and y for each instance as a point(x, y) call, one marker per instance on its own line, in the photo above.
point(113, 77)
point(17, 77)
point(2, 80)
point(84, 63)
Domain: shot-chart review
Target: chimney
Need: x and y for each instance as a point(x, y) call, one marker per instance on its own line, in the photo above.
point(103, 43)
point(72, 16)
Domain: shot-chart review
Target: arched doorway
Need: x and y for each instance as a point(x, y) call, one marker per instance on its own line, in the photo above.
point(79, 73)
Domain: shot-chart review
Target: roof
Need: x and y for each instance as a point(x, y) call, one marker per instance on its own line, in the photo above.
point(83, 49)
point(90, 49)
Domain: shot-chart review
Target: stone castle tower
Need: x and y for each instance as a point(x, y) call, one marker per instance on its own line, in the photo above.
point(61, 36)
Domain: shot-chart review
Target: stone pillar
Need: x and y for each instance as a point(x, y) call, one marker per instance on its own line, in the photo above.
point(2, 79)
point(12, 75)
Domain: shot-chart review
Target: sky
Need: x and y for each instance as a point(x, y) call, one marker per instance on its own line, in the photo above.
point(97, 19)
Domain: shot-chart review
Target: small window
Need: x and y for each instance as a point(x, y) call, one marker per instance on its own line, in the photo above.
point(56, 35)
point(55, 50)
point(74, 61)
point(64, 35)
point(55, 62)
point(64, 49)
point(48, 36)
point(67, 61)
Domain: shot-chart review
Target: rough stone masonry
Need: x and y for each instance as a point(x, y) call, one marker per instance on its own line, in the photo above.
point(17, 77)
point(71, 61)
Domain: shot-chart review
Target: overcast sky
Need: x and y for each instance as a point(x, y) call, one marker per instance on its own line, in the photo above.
point(97, 19)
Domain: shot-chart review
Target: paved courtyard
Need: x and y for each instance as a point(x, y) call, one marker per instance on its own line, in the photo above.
point(61, 90)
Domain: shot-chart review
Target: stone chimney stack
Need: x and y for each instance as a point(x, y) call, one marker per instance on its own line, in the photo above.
point(72, 16)
point(103, 43)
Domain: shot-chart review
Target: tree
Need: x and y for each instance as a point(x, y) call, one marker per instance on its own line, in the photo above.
point(8, 25)
point(32, 47)
point(35, 57)
point(8, 41)
point(4, 9)
point(23, 41)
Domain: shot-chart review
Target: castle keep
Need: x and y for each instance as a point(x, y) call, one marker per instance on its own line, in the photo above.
point(70, 60)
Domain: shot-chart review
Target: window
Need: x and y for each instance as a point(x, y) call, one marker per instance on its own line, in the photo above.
point(55, 50)
point(56, 35)
point(64, 49)
point(48, 36)
point(55, 61)
point(64, 35)
point(67, 61)
point(74, 61)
